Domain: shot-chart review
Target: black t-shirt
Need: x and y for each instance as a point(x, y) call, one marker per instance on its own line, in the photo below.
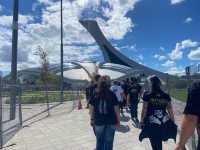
point(104, 113)
point(157, 102)
point(134, 91)
point(193, 104)
point(87, 93)
point(125, 87)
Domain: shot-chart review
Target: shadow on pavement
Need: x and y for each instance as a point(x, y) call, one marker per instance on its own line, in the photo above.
point(35, 121)
point(123, 129)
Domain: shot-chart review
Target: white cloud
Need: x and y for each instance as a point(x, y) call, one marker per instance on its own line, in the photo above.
point(46, 2)
point(189, 43)
point(174, 2)
point(177, 52)
point(118, 24)
point(194, 54)
point(133, 47)
point(168, 63)
point(160, 57)
point(127, 47)
point(7, 20)
point(188, 20)
point(140, 56)
point(47, 33)
point(176, 71)
point(162, 49)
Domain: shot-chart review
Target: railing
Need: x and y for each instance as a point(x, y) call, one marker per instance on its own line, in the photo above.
point(30, 104)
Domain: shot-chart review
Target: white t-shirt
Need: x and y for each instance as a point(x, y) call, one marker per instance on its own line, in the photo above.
point(118, 92)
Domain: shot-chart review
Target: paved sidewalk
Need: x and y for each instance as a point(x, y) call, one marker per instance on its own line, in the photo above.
point(72, 132)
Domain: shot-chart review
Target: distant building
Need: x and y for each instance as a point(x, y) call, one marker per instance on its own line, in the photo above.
point(193, 69)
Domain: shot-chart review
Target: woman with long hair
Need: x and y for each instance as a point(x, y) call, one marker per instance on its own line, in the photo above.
point(104, 115)
point(157, 118)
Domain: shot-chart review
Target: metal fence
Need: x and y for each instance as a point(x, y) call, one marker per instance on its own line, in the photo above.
point(34, 103)
point(22, 105)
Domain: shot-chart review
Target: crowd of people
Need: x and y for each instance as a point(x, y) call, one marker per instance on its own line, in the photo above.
point(107, 101)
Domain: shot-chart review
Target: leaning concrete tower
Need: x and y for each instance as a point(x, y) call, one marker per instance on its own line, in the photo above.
point(111, 55)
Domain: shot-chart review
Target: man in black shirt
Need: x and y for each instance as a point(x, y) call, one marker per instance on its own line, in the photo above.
point(133, 98)
point(191, 116)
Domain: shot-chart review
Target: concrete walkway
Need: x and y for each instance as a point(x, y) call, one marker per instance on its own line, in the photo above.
point(72, 131)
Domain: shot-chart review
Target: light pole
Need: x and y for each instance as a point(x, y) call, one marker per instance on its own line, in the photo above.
point(61, 51)
point(14, 57)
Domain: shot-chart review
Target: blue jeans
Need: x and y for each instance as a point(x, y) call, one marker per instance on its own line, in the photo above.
point(104, 137)
point(134, 107)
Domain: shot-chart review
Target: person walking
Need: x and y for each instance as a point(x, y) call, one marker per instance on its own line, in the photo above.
point(105, 115)
point(157, 118)
point(191, 117)
point(133, 98)
point(118, 91)
point(92, 91)
point(125, 87)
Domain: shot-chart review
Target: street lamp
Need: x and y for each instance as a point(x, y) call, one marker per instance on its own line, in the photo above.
point(61, 51)
point(14, 56)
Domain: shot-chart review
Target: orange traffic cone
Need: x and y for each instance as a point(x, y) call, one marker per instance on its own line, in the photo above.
point(79, 105)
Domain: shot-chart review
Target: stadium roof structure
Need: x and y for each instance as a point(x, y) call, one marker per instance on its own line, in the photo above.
point(86, 70)
point(112, 55)
point(78, 70)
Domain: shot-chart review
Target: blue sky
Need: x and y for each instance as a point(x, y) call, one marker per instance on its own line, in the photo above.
point(161, 34)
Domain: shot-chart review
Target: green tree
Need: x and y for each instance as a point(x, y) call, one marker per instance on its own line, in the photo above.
point(44, 74)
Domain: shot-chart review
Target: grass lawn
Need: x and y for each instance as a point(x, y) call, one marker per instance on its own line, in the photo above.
point(34, 97)
point(179, 94)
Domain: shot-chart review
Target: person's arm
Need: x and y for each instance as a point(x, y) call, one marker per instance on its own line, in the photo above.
point(170, 111)
point(117, 113)
point(91, 113)
point(144, 111)
point(189, 124)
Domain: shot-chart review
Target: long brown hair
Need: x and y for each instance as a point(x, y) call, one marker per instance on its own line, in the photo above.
point(103, 89)
point(155, 84)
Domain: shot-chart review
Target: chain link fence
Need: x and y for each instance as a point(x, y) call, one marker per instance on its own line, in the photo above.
point(33, 103)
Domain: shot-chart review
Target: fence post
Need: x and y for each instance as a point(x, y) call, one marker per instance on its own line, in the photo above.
point(47, 98)
point(20, 106)
point(1, 111)
point(188, 75)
